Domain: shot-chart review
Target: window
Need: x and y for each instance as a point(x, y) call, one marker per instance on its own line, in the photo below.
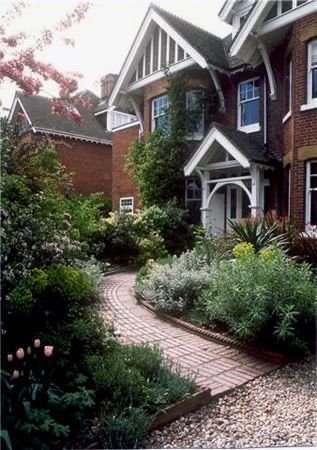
point(126, 204)
point(311, 194)
point(312, 71)
point(193, 190)
point(160, 117)
point(195, 109)
point(249, 105)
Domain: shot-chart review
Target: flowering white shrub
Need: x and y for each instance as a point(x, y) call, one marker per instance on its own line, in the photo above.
point(174, 287)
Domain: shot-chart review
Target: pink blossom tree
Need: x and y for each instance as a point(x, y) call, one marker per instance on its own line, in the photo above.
point(20, 63)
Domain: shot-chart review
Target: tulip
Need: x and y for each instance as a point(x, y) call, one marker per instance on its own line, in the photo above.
point(28, 350)
point(20, 353)
point(10, 357)
point(15, 374)
point(48, 350)
point(37, 343)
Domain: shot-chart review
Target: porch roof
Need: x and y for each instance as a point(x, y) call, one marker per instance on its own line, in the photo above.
point(241, 145)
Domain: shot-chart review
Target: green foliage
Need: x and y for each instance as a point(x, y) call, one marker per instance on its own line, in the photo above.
point(127, 239)
point(172, 223)
point(156, 165)
point(174, 287)
point(20, 300)
point(257, 231)
point(69, 286)
point(137, 382)
point(84, 215)
point(265, 298)
point(123, 428)
point(157, 168)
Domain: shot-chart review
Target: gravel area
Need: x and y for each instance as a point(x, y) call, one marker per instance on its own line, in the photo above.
point(278, 409)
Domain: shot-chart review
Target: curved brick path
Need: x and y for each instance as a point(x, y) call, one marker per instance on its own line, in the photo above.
point(215, 365)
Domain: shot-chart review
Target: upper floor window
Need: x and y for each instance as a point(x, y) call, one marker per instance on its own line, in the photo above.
point(311, 76)
point(312, 71)
point(311, 194)
point(195, 110)
point(249, 105)
point(160, 118)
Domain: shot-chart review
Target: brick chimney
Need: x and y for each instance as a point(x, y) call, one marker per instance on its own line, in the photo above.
point(107, 84)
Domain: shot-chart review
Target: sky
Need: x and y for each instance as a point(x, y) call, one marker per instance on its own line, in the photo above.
point(104, 37)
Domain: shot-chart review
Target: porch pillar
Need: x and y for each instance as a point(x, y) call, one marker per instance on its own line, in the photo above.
point(204, 175)
point(257, 190)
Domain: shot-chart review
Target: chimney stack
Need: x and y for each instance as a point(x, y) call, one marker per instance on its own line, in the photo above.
point(107, 84)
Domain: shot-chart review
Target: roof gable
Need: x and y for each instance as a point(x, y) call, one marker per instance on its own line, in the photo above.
point(184, 42)
point(242, 147)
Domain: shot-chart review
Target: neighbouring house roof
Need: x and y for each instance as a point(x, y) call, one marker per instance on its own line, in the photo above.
point(38, 110)
point(250, 149)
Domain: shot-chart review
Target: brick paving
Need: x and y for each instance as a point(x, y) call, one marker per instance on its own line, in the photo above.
point(214, 365)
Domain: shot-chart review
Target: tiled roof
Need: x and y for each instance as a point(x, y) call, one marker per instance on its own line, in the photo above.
point(214, 49)
point(39, 110)
point(246, 144)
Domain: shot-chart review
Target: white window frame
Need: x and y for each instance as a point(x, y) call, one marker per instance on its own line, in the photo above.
point(254, 126)
point(311, 102)
point(190, 181)
point(196, 136)
point(290, 83)
point(309, 189)
point(160, 114)
point(127, 208)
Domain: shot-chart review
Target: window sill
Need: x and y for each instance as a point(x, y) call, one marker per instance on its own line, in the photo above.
point(311, 105)
point(287, 116)
point(250, 128)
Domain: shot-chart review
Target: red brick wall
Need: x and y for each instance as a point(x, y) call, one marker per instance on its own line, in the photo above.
point(300, 130)
point(122, 183)
point(90, 163)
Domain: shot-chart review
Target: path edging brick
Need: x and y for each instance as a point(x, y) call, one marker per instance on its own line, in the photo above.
point(266, 355)
point(185, 406)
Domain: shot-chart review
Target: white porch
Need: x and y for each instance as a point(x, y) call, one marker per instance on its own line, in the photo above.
point(232, 178)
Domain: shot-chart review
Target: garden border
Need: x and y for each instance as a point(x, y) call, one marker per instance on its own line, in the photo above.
point(189, 404)
point(213, 336)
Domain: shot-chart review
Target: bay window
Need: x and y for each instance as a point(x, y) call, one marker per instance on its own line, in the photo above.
point(249, 105)
point(195, 111)
point(311, 76)
point(160, 117)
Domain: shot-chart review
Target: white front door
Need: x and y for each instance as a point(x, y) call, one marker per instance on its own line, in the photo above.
point(217, 213)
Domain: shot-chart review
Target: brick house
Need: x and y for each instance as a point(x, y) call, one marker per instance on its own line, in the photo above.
point(84, 149)
point(257, 151)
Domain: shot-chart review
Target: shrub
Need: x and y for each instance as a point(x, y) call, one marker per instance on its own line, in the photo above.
point(258, 231)
point(174, 287)
point(172, 223)
point(267, 298)
point(123, 428)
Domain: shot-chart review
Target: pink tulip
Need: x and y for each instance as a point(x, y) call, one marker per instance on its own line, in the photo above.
point(37, 343)
point(10, 357)
point(15, 374)
point(48, 350)
point(20, 353)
